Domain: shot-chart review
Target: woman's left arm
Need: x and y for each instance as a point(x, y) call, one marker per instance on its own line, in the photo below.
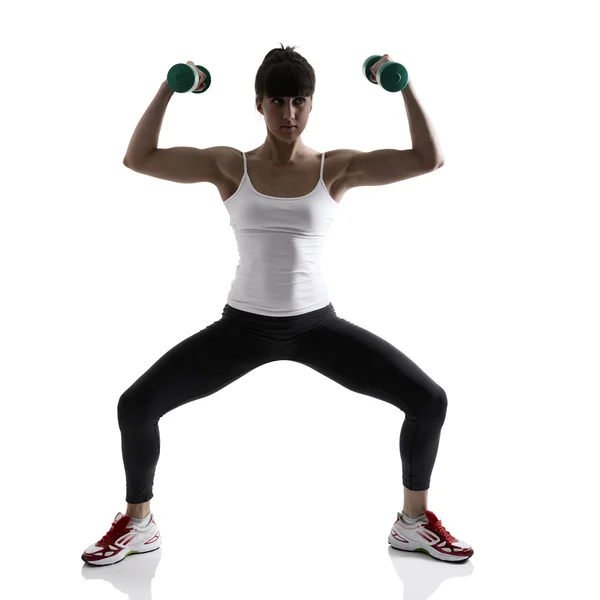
point(422, 133)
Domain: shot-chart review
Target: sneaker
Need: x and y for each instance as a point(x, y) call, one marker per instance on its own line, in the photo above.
point(427, 535)
point(123, 538)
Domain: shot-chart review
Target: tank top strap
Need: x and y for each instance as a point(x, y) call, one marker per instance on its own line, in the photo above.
point(322, 164)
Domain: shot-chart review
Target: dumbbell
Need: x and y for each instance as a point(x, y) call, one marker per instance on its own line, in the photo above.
point(391, 76)
point(183, 78)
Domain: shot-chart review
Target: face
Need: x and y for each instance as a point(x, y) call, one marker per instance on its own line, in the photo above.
point(280, 111)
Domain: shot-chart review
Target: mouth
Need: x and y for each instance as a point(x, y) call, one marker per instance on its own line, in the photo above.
point(289, 126)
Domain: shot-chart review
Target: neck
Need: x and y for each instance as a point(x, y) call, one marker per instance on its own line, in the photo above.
point(280, 155)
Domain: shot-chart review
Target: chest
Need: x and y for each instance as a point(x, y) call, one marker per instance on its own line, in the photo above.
point(286, 183)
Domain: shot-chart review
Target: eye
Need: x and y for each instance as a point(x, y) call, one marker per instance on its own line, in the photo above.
point(299, 98)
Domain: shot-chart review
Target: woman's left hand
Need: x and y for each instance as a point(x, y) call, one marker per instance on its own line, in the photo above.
point(385, 58)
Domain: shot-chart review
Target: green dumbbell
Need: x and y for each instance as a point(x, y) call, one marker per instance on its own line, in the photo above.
point(183, 78)
point(391, 76)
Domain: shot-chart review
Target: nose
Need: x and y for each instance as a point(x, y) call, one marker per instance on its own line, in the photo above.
point(290, 109)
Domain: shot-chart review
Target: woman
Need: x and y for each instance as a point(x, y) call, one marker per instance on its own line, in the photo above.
point(277, 307)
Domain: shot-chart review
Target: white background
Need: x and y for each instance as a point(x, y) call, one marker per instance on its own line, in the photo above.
point(284, 483)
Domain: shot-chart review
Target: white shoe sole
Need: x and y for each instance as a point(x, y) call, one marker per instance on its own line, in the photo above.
point(412, 546)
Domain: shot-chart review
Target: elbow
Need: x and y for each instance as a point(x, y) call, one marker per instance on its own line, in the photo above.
point(431, 160)
point(438, 162)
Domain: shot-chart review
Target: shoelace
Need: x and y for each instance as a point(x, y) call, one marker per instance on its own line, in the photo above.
point(116, 531)
point(442, 531)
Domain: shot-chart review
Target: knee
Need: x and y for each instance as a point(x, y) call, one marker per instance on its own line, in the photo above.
point(124, 408)
point(440, 404)
point(130, 409)
point(436, 406)
point(429, 404)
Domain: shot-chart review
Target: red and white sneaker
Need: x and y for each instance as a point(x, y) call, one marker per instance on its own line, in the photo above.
point(123, 538)
point(430, 537)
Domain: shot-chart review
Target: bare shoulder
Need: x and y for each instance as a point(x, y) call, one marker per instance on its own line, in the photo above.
point(338, 162)
point(225, 158)
point(229, 161)
point(341, 157)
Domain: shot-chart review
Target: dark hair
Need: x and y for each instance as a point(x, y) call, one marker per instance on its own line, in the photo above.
point(284, 72)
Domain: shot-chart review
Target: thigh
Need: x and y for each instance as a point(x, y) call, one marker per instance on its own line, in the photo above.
point(198, 366)
point(367, 364)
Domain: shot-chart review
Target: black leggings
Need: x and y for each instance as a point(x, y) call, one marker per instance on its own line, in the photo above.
point(241, 341)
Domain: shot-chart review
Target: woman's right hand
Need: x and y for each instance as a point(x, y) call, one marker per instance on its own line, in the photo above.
point(201, 84)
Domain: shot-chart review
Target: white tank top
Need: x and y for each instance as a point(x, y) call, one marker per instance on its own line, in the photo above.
point(279, 242)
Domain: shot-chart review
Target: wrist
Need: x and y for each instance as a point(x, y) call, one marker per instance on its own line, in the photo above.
point(165, 90)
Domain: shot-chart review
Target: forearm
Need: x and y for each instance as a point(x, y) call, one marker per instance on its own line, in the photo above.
point(145, 137)
point(424, 138)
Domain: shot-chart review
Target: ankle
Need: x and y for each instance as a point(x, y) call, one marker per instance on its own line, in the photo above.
point(137, 514)
point(138, 510)
point(142, 517)
point(413, 514)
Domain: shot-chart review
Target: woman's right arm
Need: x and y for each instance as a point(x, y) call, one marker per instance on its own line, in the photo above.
point(145, 137)
point(181, 164)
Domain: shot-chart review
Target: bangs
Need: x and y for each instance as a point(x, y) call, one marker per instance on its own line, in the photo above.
point(287, 79)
